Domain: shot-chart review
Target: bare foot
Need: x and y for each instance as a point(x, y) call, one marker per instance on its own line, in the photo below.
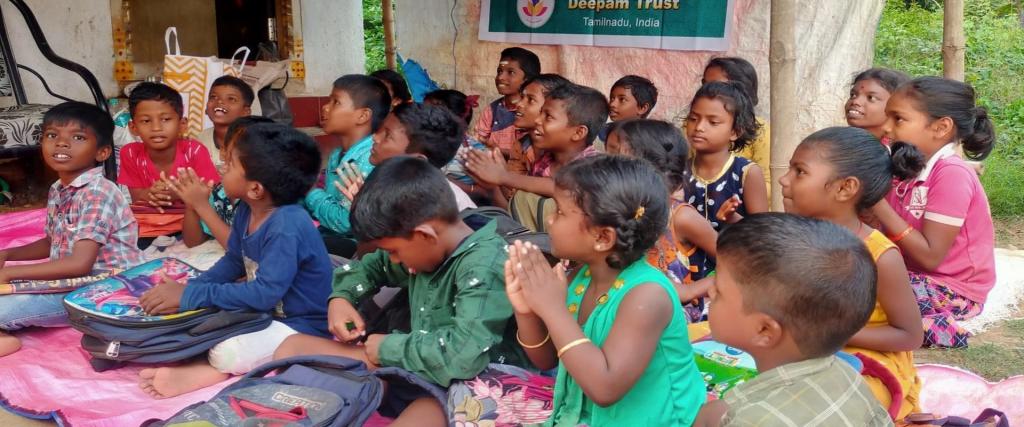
point(8, 344)
point(165, 382)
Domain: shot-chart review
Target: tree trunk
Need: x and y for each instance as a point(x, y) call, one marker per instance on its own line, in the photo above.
point(953, 40)
point(388, 21)
point(784, 99)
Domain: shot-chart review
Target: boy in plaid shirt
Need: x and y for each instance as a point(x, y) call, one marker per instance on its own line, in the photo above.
point(89, 223)
point(792, 301)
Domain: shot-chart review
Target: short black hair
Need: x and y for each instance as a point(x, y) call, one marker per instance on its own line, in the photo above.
point(939, 97)
point(400, 194)
point(584, 106)
point(455, 101)
point(737, 70)
point(91, 117)
point(642, 90)
point(528, 61)
point(813, 277)
point(855, 152)
point(736, 102)
point(658, 142)
point(889, 79)
point(149, 91)
point(624, 193)
point(432, 131)
point(399, 89)
point(247, 94)
point(238, 127)
point(548, 81)
point(284, 160)
point(366, 92)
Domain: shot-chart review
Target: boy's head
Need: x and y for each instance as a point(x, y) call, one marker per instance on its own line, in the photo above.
point(532, 98)
point(421, 130)
point(235, 131)
point(397, 89)
point(157, 115)
point(230, 98)
point(631, 97)
point(271, 163)
point(358, 104)
point(515, 66)
point(455, 101)
point(571, 116)
point(78, 137)
point(806, 287)
point(404, 207)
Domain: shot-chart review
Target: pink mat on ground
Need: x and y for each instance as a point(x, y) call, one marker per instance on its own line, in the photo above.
point(50, 378)
point(947, 390)
point(19, 228)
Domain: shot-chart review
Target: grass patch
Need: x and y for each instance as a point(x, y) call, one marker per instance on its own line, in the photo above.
point(994, 354)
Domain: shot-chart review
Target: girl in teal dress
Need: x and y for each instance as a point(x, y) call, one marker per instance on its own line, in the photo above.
point(616, 333)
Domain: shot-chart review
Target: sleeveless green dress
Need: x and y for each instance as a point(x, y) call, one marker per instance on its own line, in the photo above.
point(668, 393)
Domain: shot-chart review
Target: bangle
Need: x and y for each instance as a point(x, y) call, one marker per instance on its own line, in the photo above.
point(525, 345)
point(569, 346)
point(902, 234)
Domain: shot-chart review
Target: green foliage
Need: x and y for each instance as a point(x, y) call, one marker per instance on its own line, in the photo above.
point(910, 39)
point(373, 34)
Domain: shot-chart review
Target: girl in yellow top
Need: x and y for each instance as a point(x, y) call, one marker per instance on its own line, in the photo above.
point(834, 174)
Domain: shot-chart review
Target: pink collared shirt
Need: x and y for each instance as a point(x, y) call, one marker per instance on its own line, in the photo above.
point(948, 192)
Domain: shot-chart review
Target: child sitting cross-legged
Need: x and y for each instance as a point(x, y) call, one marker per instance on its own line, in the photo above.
point(834, 174)
point(89, 224)
point(614, 329)
point(357, 106)
point(460, 317)
point(209, 212)
point(791, 291)
point(564, 131)
point(157, 119)
point(426, 131)
point(275, 261)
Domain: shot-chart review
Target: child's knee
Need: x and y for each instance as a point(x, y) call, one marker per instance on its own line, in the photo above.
point(241, 354)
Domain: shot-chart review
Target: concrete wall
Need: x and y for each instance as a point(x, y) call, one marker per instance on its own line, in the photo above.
point(78, 30)
point(332, 34)
point(835, 40)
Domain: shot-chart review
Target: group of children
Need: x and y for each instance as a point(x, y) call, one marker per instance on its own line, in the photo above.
point(886, 244)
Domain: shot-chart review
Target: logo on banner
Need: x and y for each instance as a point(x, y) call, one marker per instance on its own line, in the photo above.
point(535, 13)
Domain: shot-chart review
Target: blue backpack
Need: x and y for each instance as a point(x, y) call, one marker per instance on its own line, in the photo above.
point(329, 391)
point(116, 330)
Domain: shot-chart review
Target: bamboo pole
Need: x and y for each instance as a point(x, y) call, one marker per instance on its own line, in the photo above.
point(953, 43)
point(782, 61)
point(388, 18)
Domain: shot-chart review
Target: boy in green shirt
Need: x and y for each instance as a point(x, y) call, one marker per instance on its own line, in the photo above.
point(460, 316)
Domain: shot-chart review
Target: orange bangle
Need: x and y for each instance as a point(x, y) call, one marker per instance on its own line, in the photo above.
point(903, 234)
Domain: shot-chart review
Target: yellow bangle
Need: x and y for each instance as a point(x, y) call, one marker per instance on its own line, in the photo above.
point(525, 345)
point(569, 346)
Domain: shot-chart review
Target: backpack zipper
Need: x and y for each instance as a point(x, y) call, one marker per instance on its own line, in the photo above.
point(113, 349)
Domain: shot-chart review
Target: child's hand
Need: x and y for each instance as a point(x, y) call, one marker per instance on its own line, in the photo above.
point(352, 180)
point(164, 298)
point(3, 259)
point(543, 287)
point(344, 321)
point(188, 186)
point(372, 347)
point(159, 196)
point(486, 167)
point(513, 287)
point(727, 212)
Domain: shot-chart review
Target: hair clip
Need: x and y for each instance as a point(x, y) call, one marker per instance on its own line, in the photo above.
point(639, 213)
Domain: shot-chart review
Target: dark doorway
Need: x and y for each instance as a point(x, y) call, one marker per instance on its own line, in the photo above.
point(244, 23)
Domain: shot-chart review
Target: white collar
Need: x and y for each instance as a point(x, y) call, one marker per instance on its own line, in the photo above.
point(946, 151)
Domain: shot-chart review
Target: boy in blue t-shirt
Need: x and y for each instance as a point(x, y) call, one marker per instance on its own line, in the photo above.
point(273, 246)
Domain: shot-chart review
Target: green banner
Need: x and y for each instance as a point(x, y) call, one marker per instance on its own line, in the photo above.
point(656, 24)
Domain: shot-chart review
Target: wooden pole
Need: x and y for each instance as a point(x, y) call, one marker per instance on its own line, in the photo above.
point(388, 18)
point(782, 60)
point(953, 44)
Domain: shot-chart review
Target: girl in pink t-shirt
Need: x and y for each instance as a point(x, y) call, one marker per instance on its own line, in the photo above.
point(940, 219)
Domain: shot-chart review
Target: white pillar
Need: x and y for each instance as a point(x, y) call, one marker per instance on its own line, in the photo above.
point(332, 36)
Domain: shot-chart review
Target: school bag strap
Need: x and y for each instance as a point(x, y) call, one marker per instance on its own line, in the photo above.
point(327, 362)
